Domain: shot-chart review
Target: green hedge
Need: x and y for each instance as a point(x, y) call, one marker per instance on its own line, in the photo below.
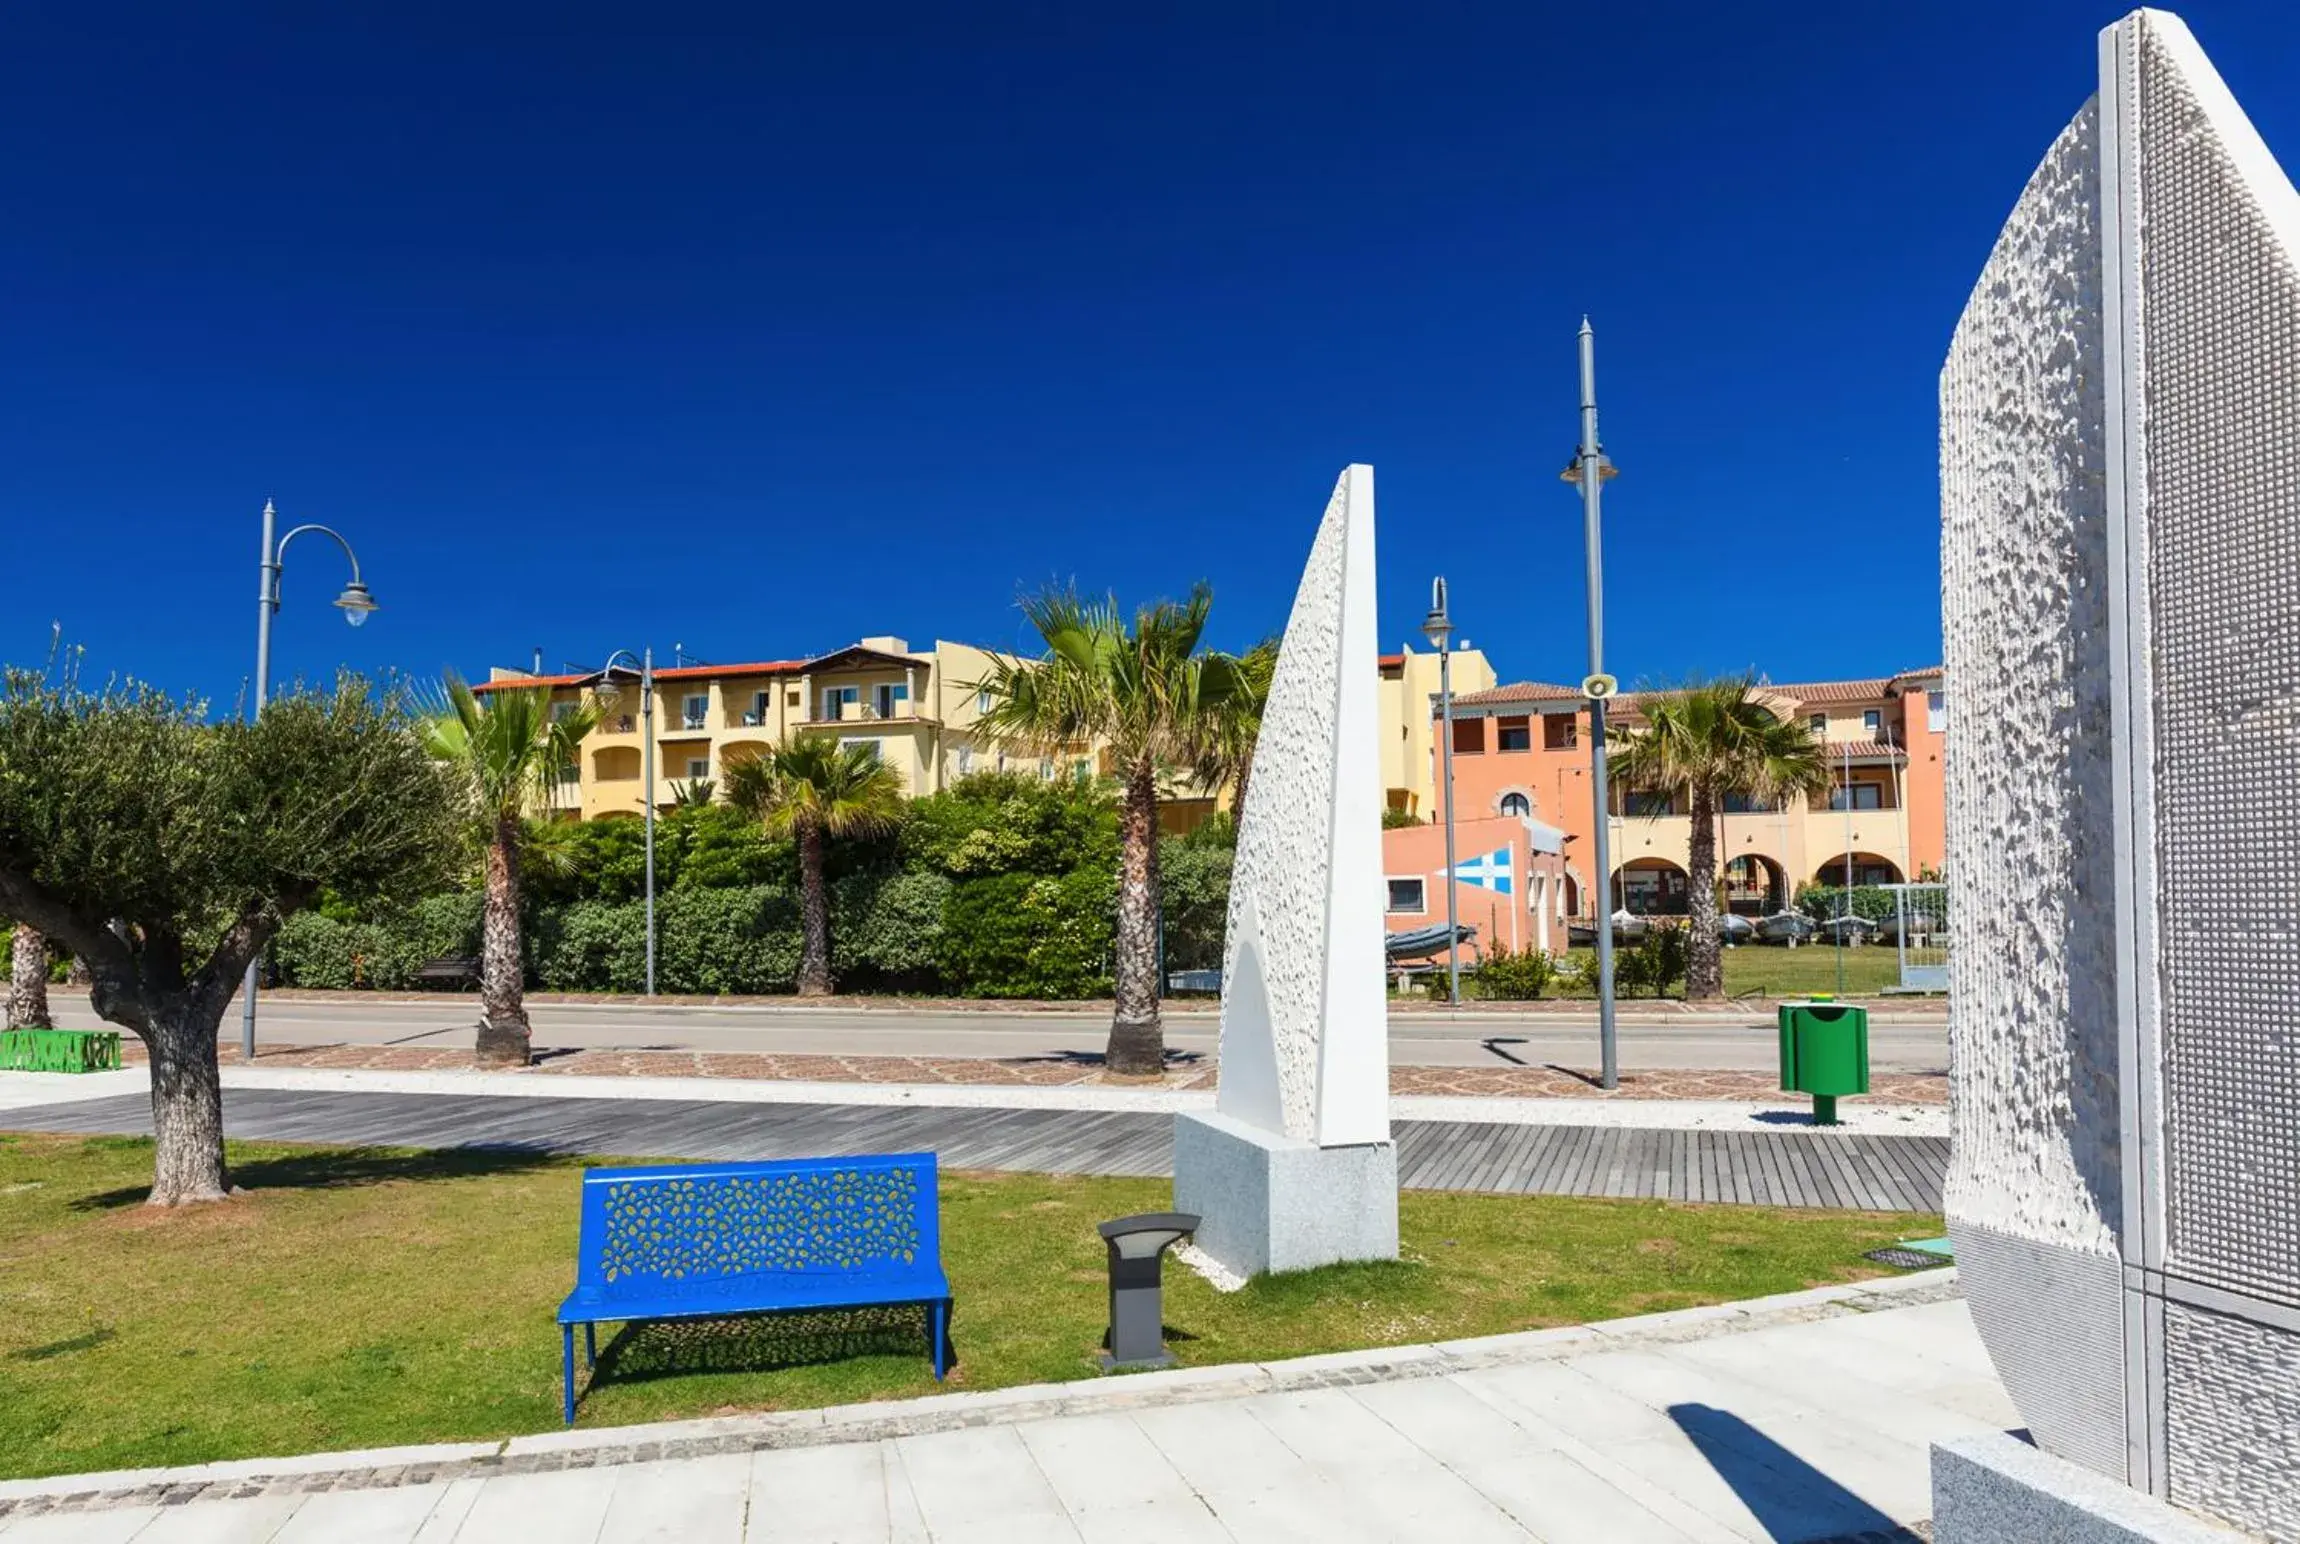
point(1026, 935)
point(318, 950)
point(1821, 902)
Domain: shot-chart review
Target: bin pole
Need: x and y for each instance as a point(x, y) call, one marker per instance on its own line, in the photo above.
point(1824, 1109)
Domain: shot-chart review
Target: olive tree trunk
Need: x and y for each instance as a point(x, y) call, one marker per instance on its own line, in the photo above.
point(814, 915)
point(187, 1098)
point(1137, 1037)
point(504, 1039)
point(1704, 965)
point(28, 982)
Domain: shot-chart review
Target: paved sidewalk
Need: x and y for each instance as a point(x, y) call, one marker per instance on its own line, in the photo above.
point(1800, 1418)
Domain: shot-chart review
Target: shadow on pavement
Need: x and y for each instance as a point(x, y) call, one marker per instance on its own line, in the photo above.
point(1793, 1501)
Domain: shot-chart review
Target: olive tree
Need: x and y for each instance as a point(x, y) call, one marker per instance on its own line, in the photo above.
point(165, 849)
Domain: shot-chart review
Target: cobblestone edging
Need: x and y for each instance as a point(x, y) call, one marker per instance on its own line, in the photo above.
point(576, 1449)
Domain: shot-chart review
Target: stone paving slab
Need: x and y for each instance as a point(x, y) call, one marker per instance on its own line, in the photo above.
point(1447, 1430)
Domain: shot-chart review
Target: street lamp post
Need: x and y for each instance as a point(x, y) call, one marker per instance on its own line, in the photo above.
point(355, 602)
point(1437, 627)
point(1590, 470)
point(608, 694)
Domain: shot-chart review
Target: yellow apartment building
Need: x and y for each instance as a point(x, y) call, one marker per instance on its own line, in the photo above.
point(1409, 744)
point(916, 707)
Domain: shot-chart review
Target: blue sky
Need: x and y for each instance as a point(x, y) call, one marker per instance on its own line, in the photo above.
point(753, 329)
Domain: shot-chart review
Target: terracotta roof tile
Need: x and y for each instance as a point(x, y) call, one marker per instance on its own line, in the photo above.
point(1519, 691)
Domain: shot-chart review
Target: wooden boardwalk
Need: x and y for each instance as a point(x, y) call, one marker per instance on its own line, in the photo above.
point(1763, 1168)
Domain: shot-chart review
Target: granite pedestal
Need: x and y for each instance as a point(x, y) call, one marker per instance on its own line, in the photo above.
point(1273, 1203)
point(1997, 1489)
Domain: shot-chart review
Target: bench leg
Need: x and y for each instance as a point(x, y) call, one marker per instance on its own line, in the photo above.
point(567, 1369)
point(590, 1345)
point(939, 1315)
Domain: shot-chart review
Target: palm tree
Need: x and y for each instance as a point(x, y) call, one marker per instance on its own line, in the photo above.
point(694, 793)
point(813, 789)
point(28, 982)
point(506, 754)
point(1155, 700)
point(1713, 739)
point(1227, 756)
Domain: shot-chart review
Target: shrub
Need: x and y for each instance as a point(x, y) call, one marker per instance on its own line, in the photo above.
point(1515, 975)
point(1005, 823)
point(887, 929)
point(1655, 963)
point(1024, 935)
point(590, 946)
point(1194, 879)
point(736, 942)
point(1821, 902)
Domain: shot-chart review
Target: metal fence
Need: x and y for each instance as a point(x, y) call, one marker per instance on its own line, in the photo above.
point(1920, 931)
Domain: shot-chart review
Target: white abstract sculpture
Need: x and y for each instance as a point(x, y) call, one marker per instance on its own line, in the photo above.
point(2120, 499)
point(1295, 1168)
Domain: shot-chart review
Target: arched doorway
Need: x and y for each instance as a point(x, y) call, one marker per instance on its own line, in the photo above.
point(1649, 887)
point(1755, 886)
point(1868, 869)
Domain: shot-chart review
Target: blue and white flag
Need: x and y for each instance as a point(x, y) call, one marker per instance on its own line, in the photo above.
point(1492, 872)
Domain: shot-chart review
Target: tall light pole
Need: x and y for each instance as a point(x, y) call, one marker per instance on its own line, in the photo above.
point(1437, 627)
point(355, 603)
point(1591, 470)
point(608, 694)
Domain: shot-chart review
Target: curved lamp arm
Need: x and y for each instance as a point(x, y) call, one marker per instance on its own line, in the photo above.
point(355, 602)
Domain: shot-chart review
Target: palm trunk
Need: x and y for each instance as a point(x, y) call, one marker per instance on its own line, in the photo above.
point(1704, 966)
point(503, 1033)
point(814, 915)
point(187, 1100)
point(1137, 1038)
point(28, 983)
point(1238, 802)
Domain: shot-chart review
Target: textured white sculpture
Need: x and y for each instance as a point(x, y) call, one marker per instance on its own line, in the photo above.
point(2121, 613)
point(1305, 1049)
point(1295, 1167)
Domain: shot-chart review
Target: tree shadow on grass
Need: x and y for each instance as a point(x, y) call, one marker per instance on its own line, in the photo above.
point(344, 1168)
point(765, 1342)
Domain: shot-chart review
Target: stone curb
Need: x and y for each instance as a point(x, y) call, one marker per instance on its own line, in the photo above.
point(578, 1449)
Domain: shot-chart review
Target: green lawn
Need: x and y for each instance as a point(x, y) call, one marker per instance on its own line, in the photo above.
point(364, 1297)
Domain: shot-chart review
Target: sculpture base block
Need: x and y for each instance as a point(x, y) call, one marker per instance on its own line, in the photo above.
point(1998, 1490)
point(1272, 1203)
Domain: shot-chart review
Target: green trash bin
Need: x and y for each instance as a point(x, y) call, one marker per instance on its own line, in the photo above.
point(1825, 1053)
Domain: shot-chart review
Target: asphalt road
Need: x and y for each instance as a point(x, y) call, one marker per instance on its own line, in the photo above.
point(1906, 1043)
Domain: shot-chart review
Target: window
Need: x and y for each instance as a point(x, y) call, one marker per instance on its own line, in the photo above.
point(760, 702)
point(1820, 723)
point(1515, 734)
point(982, 700)
point(1873, 720)
point(790, 699)
point(570, 773)
point(877, 751)
point(1936, 712)
point(836, 700)
point(562, 711)
point(1742, 804)
point(1863, 796)
point(1560, 731)
point(1406, 896)
point(1645, 805)
point(1469, 737)
point(694, 709)
point(892, 698)
point(963, 762)
point(1082, 770)
point(1516, 804)
point(698, 768)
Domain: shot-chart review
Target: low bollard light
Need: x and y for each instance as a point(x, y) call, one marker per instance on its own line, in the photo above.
point(1138, 1248)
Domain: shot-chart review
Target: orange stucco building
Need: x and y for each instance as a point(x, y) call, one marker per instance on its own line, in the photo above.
point(1523, 750)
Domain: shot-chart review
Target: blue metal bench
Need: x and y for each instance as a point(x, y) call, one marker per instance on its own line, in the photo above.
point(707, 1241)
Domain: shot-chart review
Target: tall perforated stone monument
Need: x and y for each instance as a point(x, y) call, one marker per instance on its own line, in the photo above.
point(1295, 1167)
point(2120, 497)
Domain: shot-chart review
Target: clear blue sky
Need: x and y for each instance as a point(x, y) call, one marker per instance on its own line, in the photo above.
point(756, 328)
